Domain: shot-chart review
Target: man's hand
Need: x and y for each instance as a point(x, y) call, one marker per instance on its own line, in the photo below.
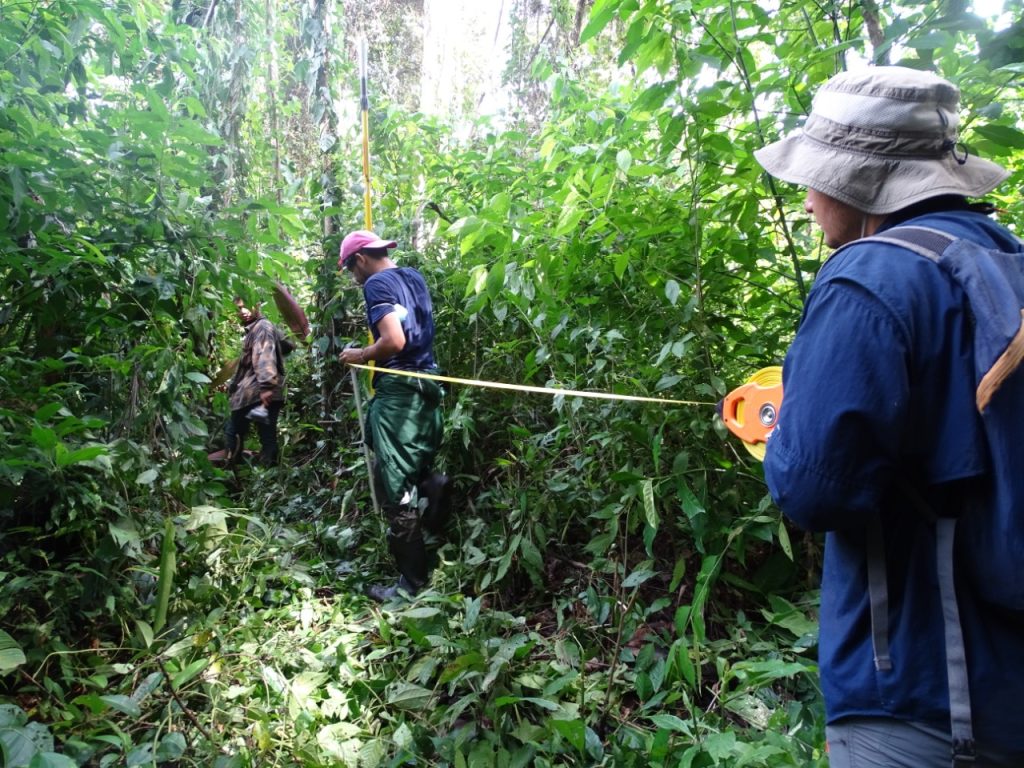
point(352, 355)
point(265, 396)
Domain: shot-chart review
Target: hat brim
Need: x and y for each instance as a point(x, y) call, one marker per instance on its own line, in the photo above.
point(342, 260)
point(872, 183)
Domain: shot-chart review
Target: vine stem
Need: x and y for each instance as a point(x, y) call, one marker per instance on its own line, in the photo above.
point(615, 655)
point(188, 713)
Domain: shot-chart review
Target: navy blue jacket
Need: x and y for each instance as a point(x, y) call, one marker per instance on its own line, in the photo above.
point(879, 392)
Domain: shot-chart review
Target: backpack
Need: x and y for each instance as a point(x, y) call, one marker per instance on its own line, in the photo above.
point(993, 534)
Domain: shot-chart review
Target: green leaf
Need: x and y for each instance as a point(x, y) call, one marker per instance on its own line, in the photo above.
point(52, 760)
point(636, 578)
point(672, 723)
point(569, 221)
point(624, 159)
point(122, 704)
point(531, 555)
point(145, 632)
point(784, 542)
point(672, 292)
point(44, 437)
point(650, 511)
point(147, 477)
point(188, 673)
point(1003, 135)
point(573, 731)
point(11, 655)
point(403, 695)
point(602, 12)
point(172, 746)
point(621, 262)
point(47, 411)
point(496, 280)
point(81, 454)
point(930, 40)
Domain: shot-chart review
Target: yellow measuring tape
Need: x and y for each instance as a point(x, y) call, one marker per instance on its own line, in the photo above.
point(528, 388)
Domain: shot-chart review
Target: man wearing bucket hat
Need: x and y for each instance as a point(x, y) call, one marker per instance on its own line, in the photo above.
point(879, 429)
point(404, 420)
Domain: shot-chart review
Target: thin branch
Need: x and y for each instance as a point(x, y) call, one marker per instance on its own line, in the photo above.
point(209, 14)
point(181, 704)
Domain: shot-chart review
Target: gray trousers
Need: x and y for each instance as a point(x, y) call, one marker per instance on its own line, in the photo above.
point(878, 742)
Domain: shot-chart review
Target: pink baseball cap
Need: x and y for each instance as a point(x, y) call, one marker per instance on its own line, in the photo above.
point(361, 238)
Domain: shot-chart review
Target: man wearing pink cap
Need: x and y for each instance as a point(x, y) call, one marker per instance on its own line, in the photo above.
point(404, 421)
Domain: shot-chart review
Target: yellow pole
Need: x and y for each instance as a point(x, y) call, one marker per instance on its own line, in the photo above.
point(364, 106)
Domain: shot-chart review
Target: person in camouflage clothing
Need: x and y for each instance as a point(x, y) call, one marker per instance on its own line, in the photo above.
point(257, 388)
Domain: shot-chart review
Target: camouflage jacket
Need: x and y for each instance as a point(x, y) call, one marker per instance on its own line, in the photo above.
point(260, 367)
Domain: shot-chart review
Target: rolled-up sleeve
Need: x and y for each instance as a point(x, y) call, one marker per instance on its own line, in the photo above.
point(844, 413)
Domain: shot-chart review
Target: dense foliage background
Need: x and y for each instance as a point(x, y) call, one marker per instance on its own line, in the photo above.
point(618, 589)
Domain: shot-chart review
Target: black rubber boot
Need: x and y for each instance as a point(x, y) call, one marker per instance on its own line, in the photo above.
point(437, 490)
point(411, 560)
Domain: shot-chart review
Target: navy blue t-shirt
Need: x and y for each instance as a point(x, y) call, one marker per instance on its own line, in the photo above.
point(403, 290)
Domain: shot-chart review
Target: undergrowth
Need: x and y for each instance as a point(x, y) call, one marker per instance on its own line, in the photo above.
point(272, 656)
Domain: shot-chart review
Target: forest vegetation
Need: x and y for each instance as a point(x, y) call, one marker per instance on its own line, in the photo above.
point(617, 588)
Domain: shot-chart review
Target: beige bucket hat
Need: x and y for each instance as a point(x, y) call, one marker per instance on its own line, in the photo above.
point(881, 139)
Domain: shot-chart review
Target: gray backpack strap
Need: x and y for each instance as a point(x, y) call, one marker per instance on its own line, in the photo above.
point(878, 595)
point(961, 731)
point(923, 241)
point(956, 656)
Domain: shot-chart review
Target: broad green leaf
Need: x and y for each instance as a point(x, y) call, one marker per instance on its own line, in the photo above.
point(47, 411)
point(750, 708)
point(44, 437)
point(936, 39)
point(531, 554)
point(422, 612)
point(496, 280)
point(11, 655)
point(1002, 134)
point(784, 542)
point(122, 704)
point(602, 12)
point(569, 221)
point(650, 511)
point(672, 292)
point(172, 747)
point(636, 578)
point(621, 262)
point(403, 695)
point(51, 760)
point(81, 454)
point(573, 731)
point(673, 723)
point(188, 673)
point(147, 477)
point(123, 532)
point(624, 160)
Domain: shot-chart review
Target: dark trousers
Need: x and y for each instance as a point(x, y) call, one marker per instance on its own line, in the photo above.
point(237, 429)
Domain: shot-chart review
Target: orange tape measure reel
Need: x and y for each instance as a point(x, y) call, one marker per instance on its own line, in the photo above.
point(751, 411)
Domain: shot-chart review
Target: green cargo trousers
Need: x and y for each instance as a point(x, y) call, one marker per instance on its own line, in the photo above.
point(405, 430)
